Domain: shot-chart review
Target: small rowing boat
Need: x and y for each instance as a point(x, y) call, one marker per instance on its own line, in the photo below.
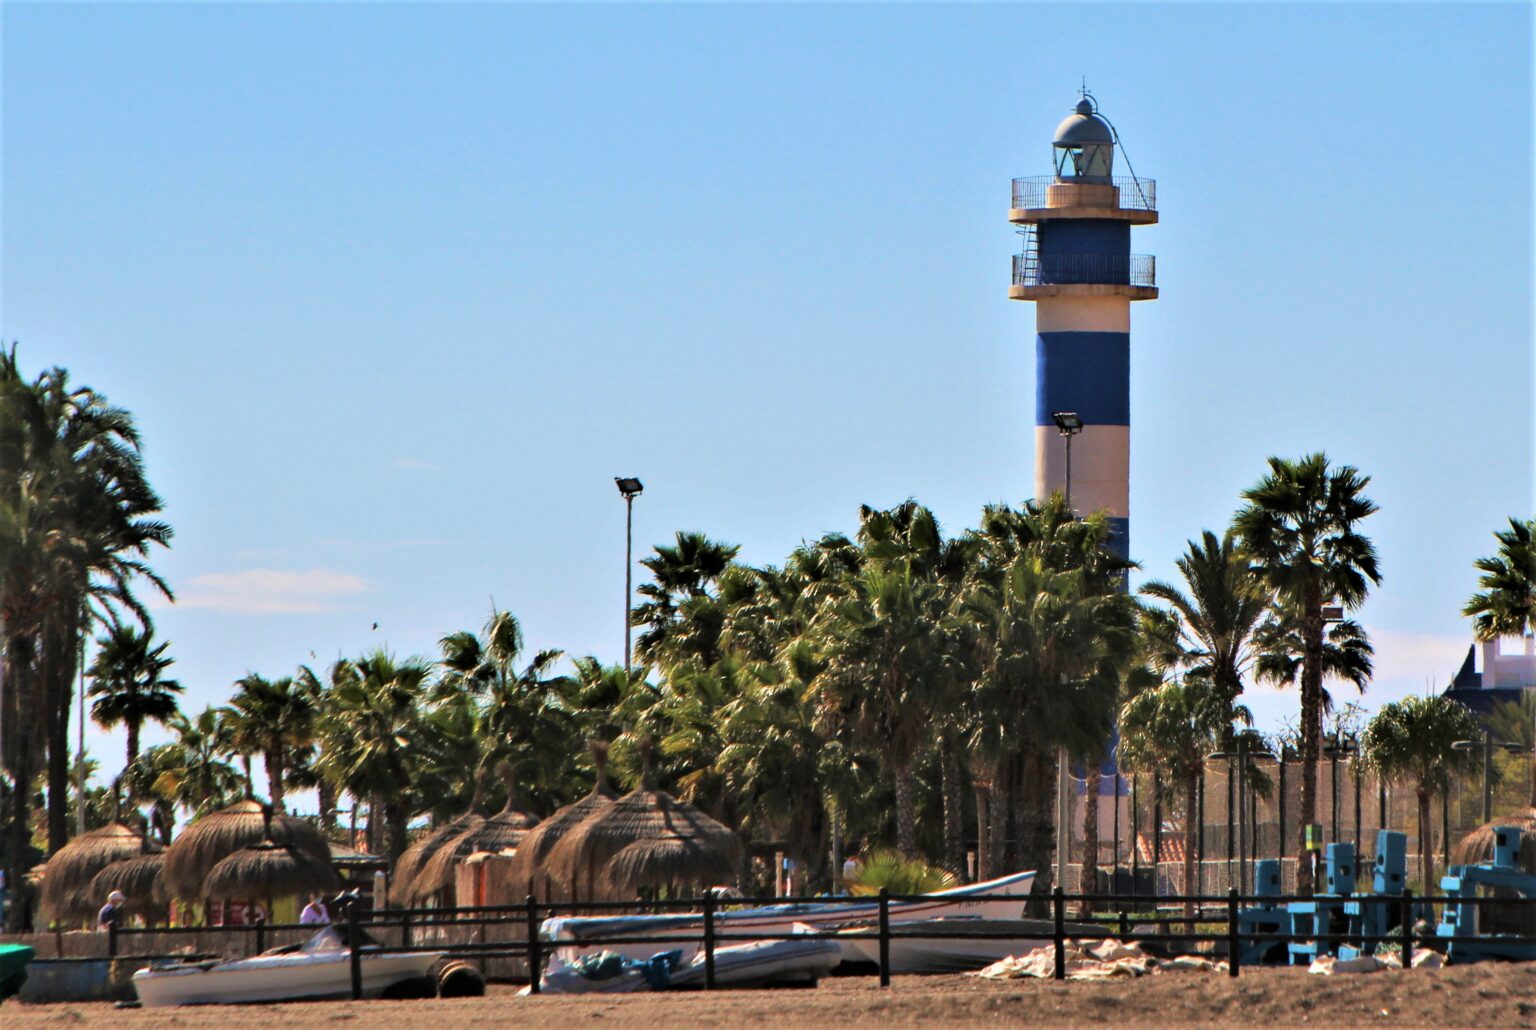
point(575, 936)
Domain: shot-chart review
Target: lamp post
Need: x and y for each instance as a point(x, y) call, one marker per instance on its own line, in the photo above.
point(1069, 425)
point(1487, 745)
point(1242, 754)
point(630, 488)
point(1339, 745)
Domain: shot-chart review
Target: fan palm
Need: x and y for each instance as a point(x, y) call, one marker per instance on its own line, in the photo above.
point(129, 684)
point(1413, 740)
point(1505, 604)
point(76, 520)
point(191, 772)
point(275, 719)
point(680, 613)
point(1300, 529)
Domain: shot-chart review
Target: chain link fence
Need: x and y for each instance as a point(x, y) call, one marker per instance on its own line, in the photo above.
point(1241, 818)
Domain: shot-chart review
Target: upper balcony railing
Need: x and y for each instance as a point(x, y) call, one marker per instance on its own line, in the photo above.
point(1030, 269)
point(1135, 194)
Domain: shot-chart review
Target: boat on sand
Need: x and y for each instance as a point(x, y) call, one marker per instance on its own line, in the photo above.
point(575, 936)
point(319, 968)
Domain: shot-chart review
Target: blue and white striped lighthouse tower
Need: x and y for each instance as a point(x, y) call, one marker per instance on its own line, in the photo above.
point(1078, 268)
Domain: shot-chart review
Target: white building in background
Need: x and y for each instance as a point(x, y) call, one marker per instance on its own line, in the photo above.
point(1494, 672)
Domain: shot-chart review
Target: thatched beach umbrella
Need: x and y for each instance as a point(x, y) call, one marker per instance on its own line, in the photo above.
point(266, 871)
point(532, 852)
point(655, 825)
point(413, 858)
point(138, 878)
point(67, 876)
point(1476, 848)
point(208, 841)
point(503, 831)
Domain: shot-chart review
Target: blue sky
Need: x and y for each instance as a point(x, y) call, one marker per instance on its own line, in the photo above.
point(395, 291)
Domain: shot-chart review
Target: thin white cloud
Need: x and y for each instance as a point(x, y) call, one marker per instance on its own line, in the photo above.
point(270, 591)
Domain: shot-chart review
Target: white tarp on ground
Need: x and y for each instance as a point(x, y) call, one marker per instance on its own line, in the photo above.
point(1093, 960)
point(1327, 965)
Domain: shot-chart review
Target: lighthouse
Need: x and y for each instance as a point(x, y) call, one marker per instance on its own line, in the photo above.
point(1077, 267)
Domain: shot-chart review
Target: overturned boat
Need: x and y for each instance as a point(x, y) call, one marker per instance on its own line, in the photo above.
point(319, 968)
point(758, 964)
point(575, 936)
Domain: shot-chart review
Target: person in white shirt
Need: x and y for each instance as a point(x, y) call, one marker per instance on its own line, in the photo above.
point(315, 913)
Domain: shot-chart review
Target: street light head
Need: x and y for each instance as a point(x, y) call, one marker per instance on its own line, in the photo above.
point(1067, 422)
point(629, 486)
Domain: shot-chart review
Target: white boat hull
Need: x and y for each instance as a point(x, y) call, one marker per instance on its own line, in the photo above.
point(944, 950)
point(1002, 898)
point(296, 976)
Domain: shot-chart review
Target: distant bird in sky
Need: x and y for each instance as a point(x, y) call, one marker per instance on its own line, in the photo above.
point(375, 625)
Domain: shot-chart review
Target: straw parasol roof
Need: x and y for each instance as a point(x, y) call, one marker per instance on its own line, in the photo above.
point(535, 848)
point(503, 831)
point(650, 828)
point(1476, 848)
point(68, 874)
point(420, 853)
point(206, 842)
point(268, 870)
point(137, 878)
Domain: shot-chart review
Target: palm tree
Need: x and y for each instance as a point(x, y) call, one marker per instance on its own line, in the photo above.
point(275, 719)
point(1217, 610)
point(1169, 729)
point(681, 615)
point(1055, 634)
point(1413, 740)
point(75, 523)
point(881, 642)
point(1346, 654)
point(129, 684)
point(1505, 606)
point(191, 772)
point(366, 729)
point(1300, 529)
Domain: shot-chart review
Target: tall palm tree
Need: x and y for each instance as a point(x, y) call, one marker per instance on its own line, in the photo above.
point(191, 771)
point(1413, 740)
point(1169, 729)
point(1505, 604)
point(366, 729)
point(275, 719)
point(881, 642)
point(680, 613)
point(1346, 653)
point(1300, 527)
point(76, 521)
point(129, 684)
point(1218, 609)
point(1055, 634)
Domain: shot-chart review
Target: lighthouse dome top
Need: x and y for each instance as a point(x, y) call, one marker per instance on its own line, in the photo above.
point(1082, 127)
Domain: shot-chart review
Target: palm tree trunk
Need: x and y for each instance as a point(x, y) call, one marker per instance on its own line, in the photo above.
point(1089, 877)
point(1004, 856)
point(1191, 837)
point(1426, 846)
point(906, 814)
point(954, 810)
point(273, 759)
point(1033, 804)
point(1311, 731)
point(983, 792)
point(133, 740)
point(326, 794)
point(375, 823)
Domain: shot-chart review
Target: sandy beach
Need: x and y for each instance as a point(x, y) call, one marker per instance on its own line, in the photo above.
point(1482, 995)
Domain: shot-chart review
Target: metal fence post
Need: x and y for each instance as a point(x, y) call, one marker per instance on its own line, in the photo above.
point(112, 939)
point(1125, 926)
point(1234, 947)
point(261, 935)
point(709, 940)
point(1407, 927)
point(535, 959)
point(405, 928)
point(885, 937)
point(1058, 931)
point(353, 937)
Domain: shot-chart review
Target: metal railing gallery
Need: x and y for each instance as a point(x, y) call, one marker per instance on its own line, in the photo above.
point(1135, 194)
point(525, 940)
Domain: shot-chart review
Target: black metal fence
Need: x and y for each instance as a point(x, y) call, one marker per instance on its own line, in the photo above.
point(1135, 194)
point(1122, 915)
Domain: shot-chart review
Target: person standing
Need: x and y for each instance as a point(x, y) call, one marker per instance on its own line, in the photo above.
point(315, 913)
point(111, 913)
